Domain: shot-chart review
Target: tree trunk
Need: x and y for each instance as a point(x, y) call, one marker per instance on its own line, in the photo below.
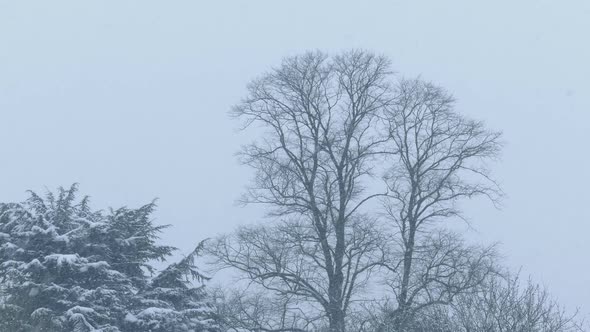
point(403, 305)
point(337, 315)
point(337, 323)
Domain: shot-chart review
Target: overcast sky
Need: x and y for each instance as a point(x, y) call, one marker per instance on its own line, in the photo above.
point(130, 99)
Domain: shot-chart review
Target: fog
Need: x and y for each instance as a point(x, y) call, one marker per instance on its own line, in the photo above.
point(131, 100)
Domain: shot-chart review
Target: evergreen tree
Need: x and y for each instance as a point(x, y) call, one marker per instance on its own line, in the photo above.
point(64, 267)
point(172, 303)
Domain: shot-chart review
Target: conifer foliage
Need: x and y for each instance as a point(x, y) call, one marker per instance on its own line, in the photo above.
point(65, 267)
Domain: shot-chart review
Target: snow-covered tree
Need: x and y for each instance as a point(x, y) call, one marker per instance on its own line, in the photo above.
point(172, 303)
point(65, 267)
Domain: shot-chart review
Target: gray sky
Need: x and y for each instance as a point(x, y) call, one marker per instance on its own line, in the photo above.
point(130, 99)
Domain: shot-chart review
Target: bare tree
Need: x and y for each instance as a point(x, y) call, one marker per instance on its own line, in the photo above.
point(319, 114)
point(256, 310)
point(443, 268)
point(501, 303)
point(285, 260)
point(508, 304)
point(440, 158)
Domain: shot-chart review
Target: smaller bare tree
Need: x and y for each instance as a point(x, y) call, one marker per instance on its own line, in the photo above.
point(439, 159)
point(508, 304)
point(254, 310)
